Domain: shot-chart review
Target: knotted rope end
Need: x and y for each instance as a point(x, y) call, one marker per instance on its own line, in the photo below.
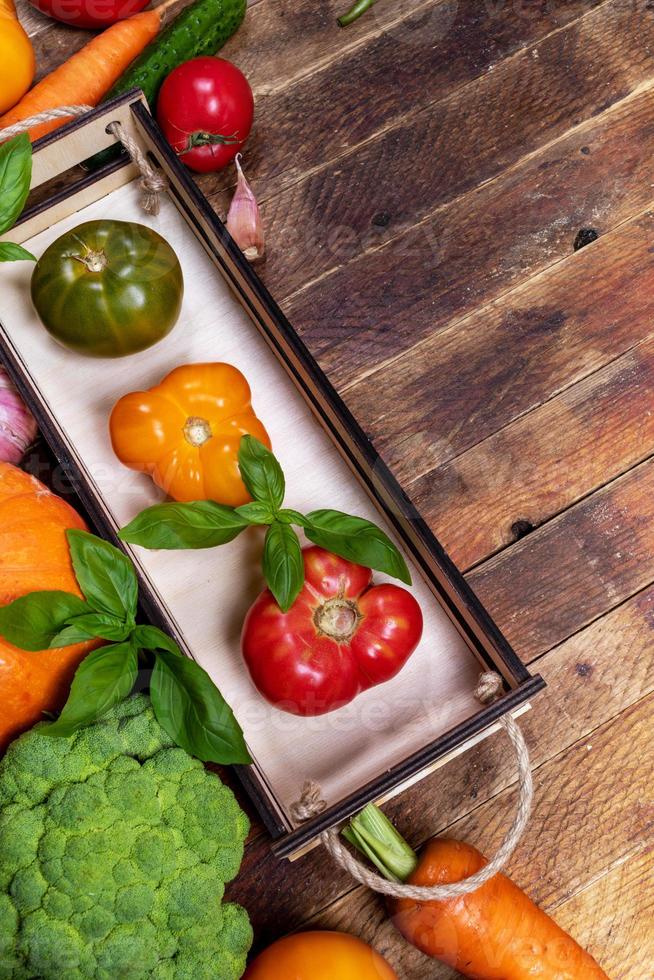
point(153, 184)
point(489, 687)
point(310, 804)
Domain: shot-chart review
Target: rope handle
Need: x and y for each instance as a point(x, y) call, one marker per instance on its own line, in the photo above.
point(152, 183)
point(489, 688)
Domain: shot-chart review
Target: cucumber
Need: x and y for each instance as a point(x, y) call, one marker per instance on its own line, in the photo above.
point(200, 29)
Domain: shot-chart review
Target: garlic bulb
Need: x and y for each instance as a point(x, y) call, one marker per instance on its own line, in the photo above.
point(243, 220)
point(17, 426)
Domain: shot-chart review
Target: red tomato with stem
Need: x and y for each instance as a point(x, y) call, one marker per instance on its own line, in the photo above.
point(91, 15)
point(205, 110)
point(341, 636)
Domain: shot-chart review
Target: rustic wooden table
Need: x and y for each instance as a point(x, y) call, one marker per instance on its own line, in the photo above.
point(427, 177)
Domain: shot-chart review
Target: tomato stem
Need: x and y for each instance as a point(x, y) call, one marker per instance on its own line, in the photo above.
point(337, 618)
point(94, 261)
point(197, 431)
point(202, 138)
point(372, 833)
point(355, 12)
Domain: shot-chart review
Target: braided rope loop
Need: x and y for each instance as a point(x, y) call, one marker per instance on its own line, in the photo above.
point(488, 689)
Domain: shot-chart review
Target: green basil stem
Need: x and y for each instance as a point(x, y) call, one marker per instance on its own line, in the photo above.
point(355, 12)
point(374, 835)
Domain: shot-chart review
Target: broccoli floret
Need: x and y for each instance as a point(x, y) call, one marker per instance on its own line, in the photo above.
point(197, 962)
point(58, 905)
point(9, 920)
point(115, 848)
point(49, 947)
point(28, 888)
point(20, 833)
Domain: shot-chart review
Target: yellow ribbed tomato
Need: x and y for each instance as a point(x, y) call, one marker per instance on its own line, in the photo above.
point(16, 58)
point(186, 432)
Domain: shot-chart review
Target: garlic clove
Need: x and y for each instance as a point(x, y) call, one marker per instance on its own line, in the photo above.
point(244, 220)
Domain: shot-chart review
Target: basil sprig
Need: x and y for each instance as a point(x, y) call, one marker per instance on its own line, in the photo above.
point(205, 524)
point(15, 178)
point(186, 702)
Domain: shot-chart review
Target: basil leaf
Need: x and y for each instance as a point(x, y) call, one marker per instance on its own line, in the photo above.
point(70, 635)
point(189, 706)
point(15, 178)
point(283, 565)
point(288, 516)
point(32, 622)
point(357, 540)
point(256, 513)
point(102, 679)
point(201, 524)
point(9, 252)
point(261, 473)
point(105, 575)
point(100, 625)
point(152, 638)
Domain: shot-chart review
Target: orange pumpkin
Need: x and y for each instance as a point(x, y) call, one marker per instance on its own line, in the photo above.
point(33, 556)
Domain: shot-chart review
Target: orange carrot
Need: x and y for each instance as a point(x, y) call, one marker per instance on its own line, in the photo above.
point(89, 74)
point(493, 933)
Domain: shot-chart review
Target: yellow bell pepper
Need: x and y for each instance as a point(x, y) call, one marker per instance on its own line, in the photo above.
point(16, 57)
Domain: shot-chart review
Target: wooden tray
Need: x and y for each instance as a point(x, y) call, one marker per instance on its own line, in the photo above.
point(390, 736)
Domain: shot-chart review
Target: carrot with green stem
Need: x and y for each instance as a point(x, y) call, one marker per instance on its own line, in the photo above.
point(87, 75)
point(493, 933)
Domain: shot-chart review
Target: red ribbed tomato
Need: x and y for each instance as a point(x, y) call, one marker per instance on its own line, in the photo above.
point(342, 635)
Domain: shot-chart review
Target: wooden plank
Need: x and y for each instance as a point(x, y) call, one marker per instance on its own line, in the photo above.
point(580, 833)
point(546, 461)
point(280, 43)
point(426, 56)
point(613, 917)
point(592, 677)
point(463, 54)
point(473, 248)
point(401, 176)
point(573, 569)
point(277, 43)
point(32, 19)
point(478, 374)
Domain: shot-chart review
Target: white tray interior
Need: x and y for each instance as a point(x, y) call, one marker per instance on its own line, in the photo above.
point(207, 593)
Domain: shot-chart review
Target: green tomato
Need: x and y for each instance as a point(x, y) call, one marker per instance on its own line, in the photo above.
point(108, 288)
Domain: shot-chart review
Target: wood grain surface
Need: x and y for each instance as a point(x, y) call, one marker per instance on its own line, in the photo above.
point(427, 177)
